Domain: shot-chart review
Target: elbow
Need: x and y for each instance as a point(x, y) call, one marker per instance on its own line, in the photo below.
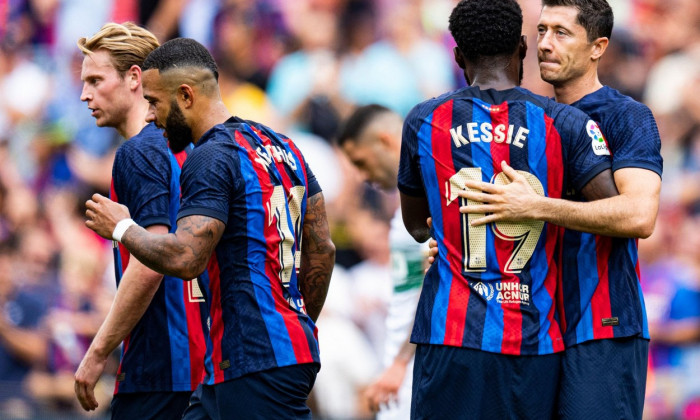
point(190, 273)
point(642, 226)
point(330, 251)
point(420, 234)
point(645, 229)
point(187, 271)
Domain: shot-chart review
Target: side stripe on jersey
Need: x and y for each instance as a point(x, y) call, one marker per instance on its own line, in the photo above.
point(601, 297)
point(216, 330)
point(587, 269)
point(553, 236)
point(542, 262)
point(632, 249)
point(286, 334)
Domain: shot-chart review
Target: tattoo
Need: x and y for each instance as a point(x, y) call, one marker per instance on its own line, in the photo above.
point(601, 186)
point(182, 254)
point(317, 256)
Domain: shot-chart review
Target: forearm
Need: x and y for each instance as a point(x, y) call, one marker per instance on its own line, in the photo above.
point(415, 212)
point(621, 216)
point(136, 289)
point(406, 351)
point(182, 254)
point(317, 257)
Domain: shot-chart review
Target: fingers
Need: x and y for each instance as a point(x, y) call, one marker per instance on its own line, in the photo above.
point(478, 209)
point(98, 198)
point(511, 173)
point(479, 196)
point(378, 398)
point(429, 220)
point(86, 396)
point(486, 187)
point(433, 245)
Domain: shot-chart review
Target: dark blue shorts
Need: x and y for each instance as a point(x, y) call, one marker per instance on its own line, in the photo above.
point(279, 393)
point(461, 383)
point(150, 405)
point(604, 379)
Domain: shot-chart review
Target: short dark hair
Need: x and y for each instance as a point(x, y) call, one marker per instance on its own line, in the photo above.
point(358, 122)
point(486, 28)
point(181, 52)
point(596, 16)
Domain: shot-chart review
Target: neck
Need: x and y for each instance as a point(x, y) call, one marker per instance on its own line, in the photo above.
point(494, 74)
point(215, 113)
point(135, 119)
point(572, 91)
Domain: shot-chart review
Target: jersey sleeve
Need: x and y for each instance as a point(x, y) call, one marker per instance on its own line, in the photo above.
point(635, 141)
point(586, 151)
point(207, 182)
point(312, 185)
point(410, 181)
point(141, 175)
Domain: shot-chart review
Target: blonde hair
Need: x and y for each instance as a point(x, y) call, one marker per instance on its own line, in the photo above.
point(128, 44)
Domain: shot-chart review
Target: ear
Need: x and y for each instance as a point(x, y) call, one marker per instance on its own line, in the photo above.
point(133, 76)
point(185, 94)
point(386, 139)
point(523, 46)
point(459, 58)
point(599, 47)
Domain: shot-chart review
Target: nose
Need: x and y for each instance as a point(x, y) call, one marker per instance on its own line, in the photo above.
point(85, 95)
point(544, 41)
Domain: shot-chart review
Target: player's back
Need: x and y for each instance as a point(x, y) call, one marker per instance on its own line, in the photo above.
point(165, 350)
point(601, 293)
point(257, 183)
point(493, 287)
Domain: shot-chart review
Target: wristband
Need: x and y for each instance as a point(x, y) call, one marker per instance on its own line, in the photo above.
point(120, 228)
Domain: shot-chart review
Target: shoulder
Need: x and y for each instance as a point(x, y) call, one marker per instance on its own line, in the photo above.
point(425, 108)
point(150, 139)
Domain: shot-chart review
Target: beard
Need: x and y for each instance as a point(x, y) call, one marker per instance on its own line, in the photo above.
point(179, 133)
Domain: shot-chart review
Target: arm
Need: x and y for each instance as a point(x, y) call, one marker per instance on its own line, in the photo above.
point(415, 212)
point(182, 254)
point(386, 388)
point(632, 213)
point(135, 292)
point(317, 256)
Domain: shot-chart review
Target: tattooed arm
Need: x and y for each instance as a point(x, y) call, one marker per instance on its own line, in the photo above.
point(317, 256)
point(182, 254)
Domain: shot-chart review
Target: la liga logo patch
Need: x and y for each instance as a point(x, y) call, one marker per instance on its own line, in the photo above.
point(600, 147)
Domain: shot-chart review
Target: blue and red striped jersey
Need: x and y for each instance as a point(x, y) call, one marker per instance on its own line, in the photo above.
point(257, 182)
point(493, 287)
point(165, 350)
point(600, 292)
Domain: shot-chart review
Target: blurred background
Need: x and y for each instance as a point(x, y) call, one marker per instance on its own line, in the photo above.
point(301, 67)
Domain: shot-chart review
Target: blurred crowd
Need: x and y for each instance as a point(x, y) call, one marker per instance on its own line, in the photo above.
point(301, 67)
